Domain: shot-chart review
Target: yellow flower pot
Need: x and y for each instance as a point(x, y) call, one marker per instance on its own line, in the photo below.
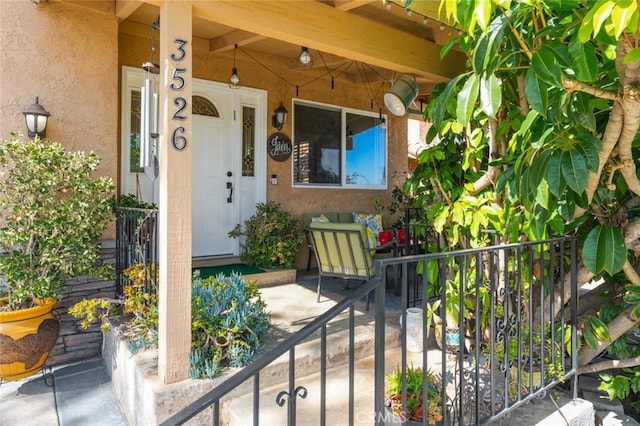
point(26, 338)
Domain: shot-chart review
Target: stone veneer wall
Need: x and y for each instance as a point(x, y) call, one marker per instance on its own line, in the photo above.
point(75, 343)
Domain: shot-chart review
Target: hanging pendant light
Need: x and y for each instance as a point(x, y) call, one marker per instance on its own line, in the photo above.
point(234, 80)
point(305, 58)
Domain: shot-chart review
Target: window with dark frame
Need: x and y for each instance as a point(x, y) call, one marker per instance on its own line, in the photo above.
point(338, 147)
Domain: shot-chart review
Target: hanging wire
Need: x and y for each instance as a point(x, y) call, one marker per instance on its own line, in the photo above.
point(368, 88)
point(327, 68)
point(333, 73)
point(407, 7)
point(265, 67)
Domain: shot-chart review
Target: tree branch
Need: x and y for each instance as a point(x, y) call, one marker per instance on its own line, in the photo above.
point(617, 327)
point(492, 172)
point(577, 86)
point(608, 365)
point(609, 140)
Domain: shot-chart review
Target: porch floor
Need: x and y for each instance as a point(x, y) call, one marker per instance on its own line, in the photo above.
point(31, 401)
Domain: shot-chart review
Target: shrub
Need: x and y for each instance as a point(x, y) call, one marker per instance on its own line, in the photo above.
point(53, 211)
point(273, 237)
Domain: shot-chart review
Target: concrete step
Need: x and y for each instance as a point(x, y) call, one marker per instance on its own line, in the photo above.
point(238, 410)
point(562, 410)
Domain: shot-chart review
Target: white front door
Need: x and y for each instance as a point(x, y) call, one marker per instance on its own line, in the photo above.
point(214, 211)
point(223, 194)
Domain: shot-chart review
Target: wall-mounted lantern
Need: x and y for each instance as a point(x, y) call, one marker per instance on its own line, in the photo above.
point(36, 118)
point(279, 117)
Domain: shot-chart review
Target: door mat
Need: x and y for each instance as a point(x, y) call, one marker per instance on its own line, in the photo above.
point(239, 268)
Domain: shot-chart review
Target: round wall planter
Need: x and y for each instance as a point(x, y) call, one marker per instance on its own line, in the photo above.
point(26, 338)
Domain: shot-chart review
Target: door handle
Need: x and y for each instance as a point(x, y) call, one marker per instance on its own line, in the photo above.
point(230, 188)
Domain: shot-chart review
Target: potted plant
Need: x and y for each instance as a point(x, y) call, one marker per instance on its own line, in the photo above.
point(52, 214)
point(272, 237)
point(417, 393)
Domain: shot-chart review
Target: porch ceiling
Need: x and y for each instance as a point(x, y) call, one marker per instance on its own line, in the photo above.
point(367, 40)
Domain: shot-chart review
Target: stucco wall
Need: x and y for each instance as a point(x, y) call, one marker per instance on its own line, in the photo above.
point(68, 57)
point(135, 50)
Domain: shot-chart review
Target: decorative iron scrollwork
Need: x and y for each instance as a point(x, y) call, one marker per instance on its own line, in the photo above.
point(284, 396)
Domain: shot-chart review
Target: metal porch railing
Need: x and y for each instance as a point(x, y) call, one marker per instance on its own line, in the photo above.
point(516, 336)
point(136, 240)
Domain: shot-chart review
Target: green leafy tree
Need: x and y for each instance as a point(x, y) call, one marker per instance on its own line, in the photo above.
point(539, 138)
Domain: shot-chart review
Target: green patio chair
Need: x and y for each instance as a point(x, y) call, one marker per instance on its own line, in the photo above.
point(342, 250)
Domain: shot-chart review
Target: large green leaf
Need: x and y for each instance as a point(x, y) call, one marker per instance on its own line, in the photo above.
point(604, 250)
point(600, 329)
point(488, 58)
point(624, 17)
point(480, 53)
point(633, 55)
point(538, 225)
point(567, 207)
point(574, 170)
point(513, 227)
point(580, 111)
point(589, 146)
point(542, 193)
point(490, 95)
point(584, 59)
point(482, 13)
point(602, 11)
point(538, 169)
point(590, 23)
point(528, 122)
point(559, 51)
point(546, 67)
point(467, 99)
point(556, 223)
point(536, 92)
point(556, 182)
point(440, 106)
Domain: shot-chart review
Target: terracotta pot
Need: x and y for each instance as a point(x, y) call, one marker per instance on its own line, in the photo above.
point(26, 338)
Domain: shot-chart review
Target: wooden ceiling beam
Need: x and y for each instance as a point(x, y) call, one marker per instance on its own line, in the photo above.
point(319, 26)
point(347, 5)
point(229, 40)
point(124, 8)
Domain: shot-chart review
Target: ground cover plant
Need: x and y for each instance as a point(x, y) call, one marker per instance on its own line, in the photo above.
point(229, 321)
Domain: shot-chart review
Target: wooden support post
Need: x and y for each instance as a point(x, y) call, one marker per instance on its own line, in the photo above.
point(174, 339)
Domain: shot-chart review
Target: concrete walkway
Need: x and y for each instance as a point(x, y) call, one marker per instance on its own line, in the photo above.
point(76, 394)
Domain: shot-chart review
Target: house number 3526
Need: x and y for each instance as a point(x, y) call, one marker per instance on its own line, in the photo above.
point(178, 139)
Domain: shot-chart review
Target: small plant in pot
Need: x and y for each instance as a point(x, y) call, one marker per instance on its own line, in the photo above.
point(417, 394)
point(272, 237)
point(53, 212)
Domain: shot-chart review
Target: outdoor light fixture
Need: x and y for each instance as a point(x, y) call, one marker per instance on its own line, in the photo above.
point(305, 57)
point(36, 118)
point(234, 80)
point(279, 117)
point(400, 95)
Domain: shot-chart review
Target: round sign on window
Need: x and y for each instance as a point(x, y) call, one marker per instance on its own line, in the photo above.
point(279, 146)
